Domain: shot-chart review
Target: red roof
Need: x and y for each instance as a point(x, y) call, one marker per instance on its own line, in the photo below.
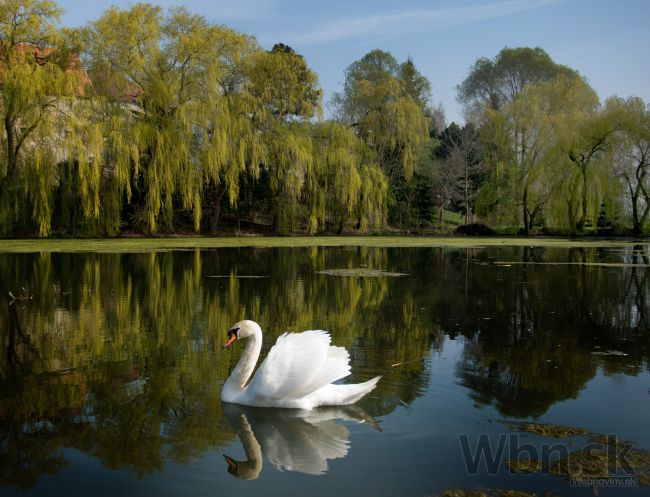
point(42, 56)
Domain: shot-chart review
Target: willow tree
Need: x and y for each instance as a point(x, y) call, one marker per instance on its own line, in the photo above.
point(586, 132)
point(42, 84)
point(526, 134)
point(345, 185)
point(287, 97)
point(630, 157)
point(231, 146)
point(506, 89)
point(163, 84)
point(493, 83)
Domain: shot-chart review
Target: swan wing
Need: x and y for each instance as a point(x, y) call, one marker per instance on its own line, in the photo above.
point(298, 365)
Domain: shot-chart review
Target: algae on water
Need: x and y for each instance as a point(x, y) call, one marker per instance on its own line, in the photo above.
point(602, 456)
point(546, 430)
point(362, 272)
point(486, 492)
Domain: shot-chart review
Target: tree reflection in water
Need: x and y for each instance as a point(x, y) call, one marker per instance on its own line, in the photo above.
point(117, 354)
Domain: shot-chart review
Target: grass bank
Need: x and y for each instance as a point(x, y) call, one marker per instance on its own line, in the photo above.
point(189, 243)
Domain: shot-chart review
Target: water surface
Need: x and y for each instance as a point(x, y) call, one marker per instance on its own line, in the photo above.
point(111, 367)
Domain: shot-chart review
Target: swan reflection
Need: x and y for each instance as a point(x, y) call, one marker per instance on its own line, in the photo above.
point(291, 439)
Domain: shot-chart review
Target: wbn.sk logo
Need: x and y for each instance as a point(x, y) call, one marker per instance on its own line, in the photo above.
point(602, 462)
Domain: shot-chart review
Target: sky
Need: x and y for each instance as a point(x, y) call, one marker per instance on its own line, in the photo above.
point(606, 41)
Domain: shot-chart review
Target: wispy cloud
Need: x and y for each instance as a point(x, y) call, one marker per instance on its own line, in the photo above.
point(413, 20)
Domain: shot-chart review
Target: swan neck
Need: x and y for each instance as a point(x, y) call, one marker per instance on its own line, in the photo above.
point(253, 465)
point(246, 364)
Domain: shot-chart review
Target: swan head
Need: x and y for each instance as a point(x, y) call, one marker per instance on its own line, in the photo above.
point(243, 470)
point(242, 329)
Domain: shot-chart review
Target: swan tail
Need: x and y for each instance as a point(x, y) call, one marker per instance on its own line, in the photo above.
point(341, 395)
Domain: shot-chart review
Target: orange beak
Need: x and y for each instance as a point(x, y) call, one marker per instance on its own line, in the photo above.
point(232, 465)
point(231, 338)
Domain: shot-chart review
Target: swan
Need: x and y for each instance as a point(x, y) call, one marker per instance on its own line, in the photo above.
point(298, 371)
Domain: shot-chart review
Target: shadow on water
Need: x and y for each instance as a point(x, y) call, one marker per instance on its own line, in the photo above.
point(117, 355)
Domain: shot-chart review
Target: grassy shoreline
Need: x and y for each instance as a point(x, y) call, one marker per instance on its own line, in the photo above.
point(189, 243)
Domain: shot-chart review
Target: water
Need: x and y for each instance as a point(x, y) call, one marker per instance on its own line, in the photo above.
point(111, 372)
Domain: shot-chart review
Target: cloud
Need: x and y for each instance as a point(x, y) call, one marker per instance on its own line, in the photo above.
point(413, 20)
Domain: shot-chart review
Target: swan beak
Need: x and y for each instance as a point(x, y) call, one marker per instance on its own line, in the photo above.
point(232, 464)
point(231, 338)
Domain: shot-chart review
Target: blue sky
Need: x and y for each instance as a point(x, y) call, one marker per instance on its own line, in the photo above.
point(607, 41)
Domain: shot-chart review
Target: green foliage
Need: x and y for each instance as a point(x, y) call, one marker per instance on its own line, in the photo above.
point(546, 140)
point(629, 159)
point(154, 120)
point(494, 83)
point(452, 217)
point(460, 168)
point(385, 103)
point(41, 88)
point(387, 112)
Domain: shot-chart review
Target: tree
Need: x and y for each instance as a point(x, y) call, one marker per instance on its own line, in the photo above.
point(288, 96)
point(42, 85)
point(461, 165)
point(516, 99)
point(188, 129)
point(414, 84)
point(232, 148)
point(492, 83)
point(631, 157)
point(584, 137)
point(447, 188)
point(526, 135)
point(345, 184)
point(387, 112)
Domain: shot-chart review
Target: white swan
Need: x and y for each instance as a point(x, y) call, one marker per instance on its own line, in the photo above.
point(297, 373)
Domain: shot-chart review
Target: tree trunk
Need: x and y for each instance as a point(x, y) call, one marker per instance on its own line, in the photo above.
point(276, 224)
point(531, 220)
point(583, 216)
point(215, 209)
point(467, 217)
point(636, 223)
point(640, 188)
point(11, 155)
point(644, 216)
point(524, 201)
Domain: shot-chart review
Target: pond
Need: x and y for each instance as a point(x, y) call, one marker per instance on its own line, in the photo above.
point(111, 370)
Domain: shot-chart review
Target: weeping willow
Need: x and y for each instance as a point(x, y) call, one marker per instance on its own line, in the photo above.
point(535, 139)
point(581, 128)
point(167, 118)
point(344, 187)
point(204, 108)
point(159, 80)
point(49, 132)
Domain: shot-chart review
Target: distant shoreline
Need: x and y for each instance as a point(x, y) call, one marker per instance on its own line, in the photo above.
point(147, 244)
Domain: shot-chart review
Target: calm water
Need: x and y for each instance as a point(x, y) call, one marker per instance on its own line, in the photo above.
point(110, 375)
